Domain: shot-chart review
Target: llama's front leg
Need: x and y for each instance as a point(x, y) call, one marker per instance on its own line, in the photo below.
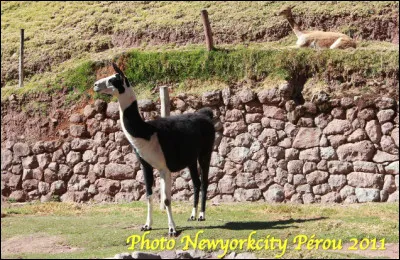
point(165, 183)
point(149, 220)
point(148, 180)
point(336, 44)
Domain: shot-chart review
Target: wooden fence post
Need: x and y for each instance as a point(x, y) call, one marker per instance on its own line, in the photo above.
point(207, 30)
point(165, 103)
point(21, 60)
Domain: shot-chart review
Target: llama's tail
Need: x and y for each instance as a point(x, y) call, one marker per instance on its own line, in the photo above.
point(206, 111)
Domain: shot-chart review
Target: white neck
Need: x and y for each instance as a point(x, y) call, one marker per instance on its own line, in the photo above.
point(126, 99)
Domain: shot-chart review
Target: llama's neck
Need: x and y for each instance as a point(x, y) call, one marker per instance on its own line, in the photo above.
point(126, 99)
point(295, 27)
point(128, 107)
point(132, 123)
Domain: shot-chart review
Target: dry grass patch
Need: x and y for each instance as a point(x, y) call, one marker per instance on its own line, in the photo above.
point(36, 243)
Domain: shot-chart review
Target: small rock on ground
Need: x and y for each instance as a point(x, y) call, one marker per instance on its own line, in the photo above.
point(181, 254)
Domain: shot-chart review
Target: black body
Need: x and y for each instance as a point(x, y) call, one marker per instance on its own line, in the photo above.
point(184, 139)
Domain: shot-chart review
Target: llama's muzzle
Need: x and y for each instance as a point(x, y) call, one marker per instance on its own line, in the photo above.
point(100, 85)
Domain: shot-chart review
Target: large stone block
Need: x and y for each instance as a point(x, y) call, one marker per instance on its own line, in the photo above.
point(395, 136)
point(358, 135)
point(244, 140)
point(227, 184)
point(232, 129)
point(321, 189)
point(268, 137)
point(381, 157)
point(275, 193)
point(233, 115)
point(385, 102)
point(21, 149)
point(374, 131)
point(364, 180)
point(317, 177)
point(119, 171)
point(211, 98)
point(269, 96)
point(295, 167)
point(336, 182)
point(367, 194)
point(276, 152)
point(337, 126)
point(328, 153)
point(362, 166)
point(106, 186)
point(360, 151)
point(81, 168)
point(6, 159)
point(307, 138)
point(29, 185)
point(385, 115)
point(311, 154)
point(274, 112)
point(339, 167)
point(331, 197)
point(246, 95)
point(77, 130)
point(393, 168)
point(113, 110)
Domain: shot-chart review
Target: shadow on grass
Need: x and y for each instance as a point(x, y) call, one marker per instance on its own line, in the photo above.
point(243, 225)
point(257, 225)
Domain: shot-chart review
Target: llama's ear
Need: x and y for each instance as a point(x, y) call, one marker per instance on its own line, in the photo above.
point(118, 70)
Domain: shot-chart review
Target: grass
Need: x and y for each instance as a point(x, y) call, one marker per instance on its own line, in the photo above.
point(101, 230)
point(35, 106)
point(59, 32)
point(148, 69)
point(232, 65)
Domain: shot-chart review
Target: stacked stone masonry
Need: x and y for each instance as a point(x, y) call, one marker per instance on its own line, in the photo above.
point(267, 148)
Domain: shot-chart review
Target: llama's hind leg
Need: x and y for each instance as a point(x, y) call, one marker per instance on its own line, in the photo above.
point(165, 183)
point(196, 187)
point(148, 180)
point(204, 162)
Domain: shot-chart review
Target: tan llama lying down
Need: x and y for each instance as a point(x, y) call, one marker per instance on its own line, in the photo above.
point(316, 39)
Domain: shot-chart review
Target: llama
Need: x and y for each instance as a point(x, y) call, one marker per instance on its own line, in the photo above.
point(316, 39)
point(168, 144)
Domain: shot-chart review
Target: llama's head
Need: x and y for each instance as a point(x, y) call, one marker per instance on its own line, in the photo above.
point(285, 11)
point(114, 84)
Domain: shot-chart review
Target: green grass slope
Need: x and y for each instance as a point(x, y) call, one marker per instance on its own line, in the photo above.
point(148, 69)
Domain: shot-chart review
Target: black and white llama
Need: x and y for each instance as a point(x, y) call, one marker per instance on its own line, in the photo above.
point(168, 144)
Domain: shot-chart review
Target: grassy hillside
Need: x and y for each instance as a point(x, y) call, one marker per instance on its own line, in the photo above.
point(61, 36)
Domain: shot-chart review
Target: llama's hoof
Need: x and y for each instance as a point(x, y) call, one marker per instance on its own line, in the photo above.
point(201, 219)
point(192, 218)
point(172, 233)
point(145, 228)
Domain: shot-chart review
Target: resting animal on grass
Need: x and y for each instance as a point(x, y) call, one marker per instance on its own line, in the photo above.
point(168, 144)
point(316, 39)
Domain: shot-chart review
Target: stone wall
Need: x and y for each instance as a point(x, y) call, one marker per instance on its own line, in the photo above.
point(267, 149)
